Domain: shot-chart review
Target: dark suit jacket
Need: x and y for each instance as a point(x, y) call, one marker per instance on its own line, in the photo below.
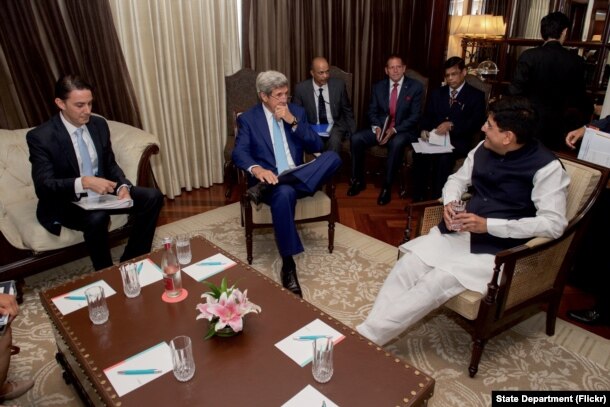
point(340, 106)
point(553, 79)
point(55, 166)
point(253, 145)
point(467, 115)
point(408, 106)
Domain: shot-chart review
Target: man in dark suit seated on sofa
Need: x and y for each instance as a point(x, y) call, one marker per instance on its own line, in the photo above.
point(326, 101)
point(397, 99)
point(272, 138)
point(71, 157)
point(457, 109)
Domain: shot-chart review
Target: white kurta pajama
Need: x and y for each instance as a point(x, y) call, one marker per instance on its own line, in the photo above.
point(437, 267)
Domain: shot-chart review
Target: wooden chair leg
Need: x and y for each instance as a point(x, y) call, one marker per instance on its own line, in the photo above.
point(331, 236)
point(551, 316)
point(249, 245)
point(477, 351)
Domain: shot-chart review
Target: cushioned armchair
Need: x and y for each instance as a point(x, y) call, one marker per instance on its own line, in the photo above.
point(533, 274)
point(25, 246)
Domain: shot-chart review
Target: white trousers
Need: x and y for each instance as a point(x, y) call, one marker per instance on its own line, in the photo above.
point(410, 292)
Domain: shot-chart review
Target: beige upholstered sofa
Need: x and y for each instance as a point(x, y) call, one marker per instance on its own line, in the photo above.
point(25, 246)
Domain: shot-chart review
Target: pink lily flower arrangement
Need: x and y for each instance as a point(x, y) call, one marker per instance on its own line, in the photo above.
point(225, 307)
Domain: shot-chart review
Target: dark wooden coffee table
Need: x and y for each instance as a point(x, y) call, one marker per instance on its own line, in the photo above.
point(246, 369)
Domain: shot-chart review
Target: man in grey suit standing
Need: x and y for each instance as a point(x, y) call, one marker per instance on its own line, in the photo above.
point(326, 101)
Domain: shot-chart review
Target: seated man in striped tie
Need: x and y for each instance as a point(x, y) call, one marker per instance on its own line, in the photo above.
point(71, 157)
point(270, 143)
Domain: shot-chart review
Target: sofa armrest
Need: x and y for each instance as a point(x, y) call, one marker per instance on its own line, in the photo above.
point(133, 149)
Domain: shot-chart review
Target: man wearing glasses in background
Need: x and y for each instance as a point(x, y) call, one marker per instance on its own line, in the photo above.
point(271, 140)
point(326, 101)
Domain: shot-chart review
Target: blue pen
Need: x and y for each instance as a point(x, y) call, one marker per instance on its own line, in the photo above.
point(310, 337)
point(76, 297)
point(210, 263)
point(139, 371)
point(140, 267)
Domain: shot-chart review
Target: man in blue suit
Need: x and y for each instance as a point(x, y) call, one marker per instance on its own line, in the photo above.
point(397, 99)
point(457, 109)
point(270, 143)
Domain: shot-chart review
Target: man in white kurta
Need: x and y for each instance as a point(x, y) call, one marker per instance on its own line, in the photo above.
point(519, 192)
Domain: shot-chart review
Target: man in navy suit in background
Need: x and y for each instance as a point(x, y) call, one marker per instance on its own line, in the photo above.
point(272, 138)
point(457, 109)
point(331, 95)
point(398, 99)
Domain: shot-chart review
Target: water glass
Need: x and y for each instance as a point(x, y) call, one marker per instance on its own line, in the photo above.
point(183, 249)
point(182, 358)
point(96, 302)
point(131, 280)
point(458, 207)
point(322, 363)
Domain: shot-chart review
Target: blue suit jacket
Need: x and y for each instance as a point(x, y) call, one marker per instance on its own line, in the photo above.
point(408, 106)
point(467, 115)
point(253, 145)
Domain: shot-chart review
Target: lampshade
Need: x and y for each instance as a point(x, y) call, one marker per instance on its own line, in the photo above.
point(482, 26)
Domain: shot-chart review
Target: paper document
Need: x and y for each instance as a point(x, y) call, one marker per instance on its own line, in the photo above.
point(289, 170)
point(323, 130)
point(309, 396)
point(438, 139)
point(595, 147)
point(148, 272)
point(75, 300)
point(301, 351)
point(6, 287)
point(103, 202)
point(200, 270)
point(424, 147)
point(382, 139)
point(136, 370)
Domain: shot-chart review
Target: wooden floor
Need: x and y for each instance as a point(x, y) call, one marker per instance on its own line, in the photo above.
point(386, 223)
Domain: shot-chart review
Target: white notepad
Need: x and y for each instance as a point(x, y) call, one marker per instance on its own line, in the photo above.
point(75, 300)
point(149, 272)
point(309, 396)
point(302, 351)
point(206, 268)
point(158, 357)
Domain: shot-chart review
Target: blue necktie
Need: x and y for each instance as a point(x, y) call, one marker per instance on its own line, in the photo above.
point(84, 153)
point(281, 162)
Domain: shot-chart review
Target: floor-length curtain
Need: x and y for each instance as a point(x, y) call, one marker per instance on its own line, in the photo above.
point(42, 40)
point(356, 35)
point(178, 53)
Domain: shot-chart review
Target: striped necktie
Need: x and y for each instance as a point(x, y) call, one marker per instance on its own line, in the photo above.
point(84, 153)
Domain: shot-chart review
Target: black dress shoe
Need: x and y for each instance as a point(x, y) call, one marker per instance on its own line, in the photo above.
point(256, 192)
point(385, 196)
point(289, 277)
point(587, 316)
point(355, 188)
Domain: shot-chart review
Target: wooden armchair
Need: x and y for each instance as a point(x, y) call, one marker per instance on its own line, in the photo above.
point(533, 274)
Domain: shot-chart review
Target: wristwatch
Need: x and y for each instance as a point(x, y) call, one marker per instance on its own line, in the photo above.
point(294, 122)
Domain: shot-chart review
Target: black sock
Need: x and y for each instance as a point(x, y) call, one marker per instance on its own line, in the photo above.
point(288, 263)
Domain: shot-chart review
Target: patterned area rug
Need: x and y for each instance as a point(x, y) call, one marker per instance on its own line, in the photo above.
point(344, 284)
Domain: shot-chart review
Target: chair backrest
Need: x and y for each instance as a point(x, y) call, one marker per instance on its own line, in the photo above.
point(347, 77)
point(481, 85)
point(413, 74)
point(241, 93)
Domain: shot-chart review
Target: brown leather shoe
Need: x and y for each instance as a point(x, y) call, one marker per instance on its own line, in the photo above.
point(15, 388)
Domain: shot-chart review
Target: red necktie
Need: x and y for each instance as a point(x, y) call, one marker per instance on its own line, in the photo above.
point(393, 99)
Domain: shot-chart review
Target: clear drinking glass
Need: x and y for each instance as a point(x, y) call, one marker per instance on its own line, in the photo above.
point(322, 363)
point(131, 280)
point(458, 207)
point(96, 302)
point(182, 358)
point(183, 249)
